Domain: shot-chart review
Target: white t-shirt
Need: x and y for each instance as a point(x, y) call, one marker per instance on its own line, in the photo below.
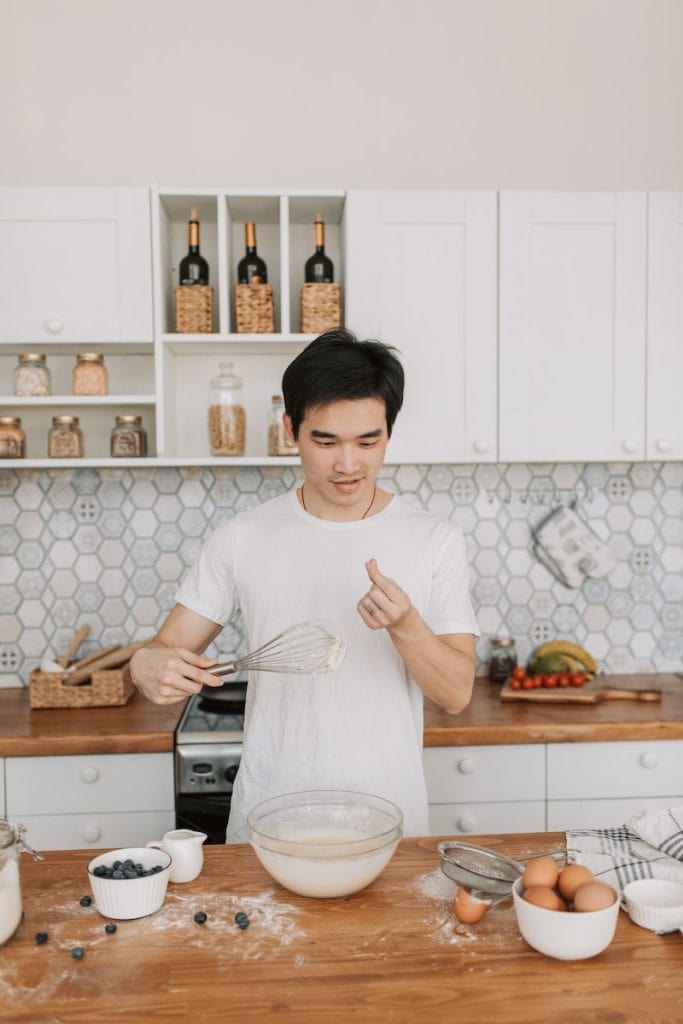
point(360, 729)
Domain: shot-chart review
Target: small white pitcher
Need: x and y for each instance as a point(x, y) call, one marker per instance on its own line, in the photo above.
point(185, 849)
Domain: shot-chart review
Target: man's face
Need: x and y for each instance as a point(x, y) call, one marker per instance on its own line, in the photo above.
point(342, 449)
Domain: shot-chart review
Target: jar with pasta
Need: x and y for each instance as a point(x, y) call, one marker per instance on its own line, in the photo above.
point(278, 440)
point(128, 437)
point(227, 414)
point(12, 438)
point(89, 375)
point(31, 376)
point(65, 439)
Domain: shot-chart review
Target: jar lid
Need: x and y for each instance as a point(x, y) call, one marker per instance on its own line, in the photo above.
point(226, 378)
point(31, 357)
point(277, 398)
point(65, 420)
point(502, 641)
point(10, 421)
point(90, 357)
point(129, 418)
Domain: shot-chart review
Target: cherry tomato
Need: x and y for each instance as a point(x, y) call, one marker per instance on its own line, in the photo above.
point(577, 679)
point(552, 681)
point(528, 684)
point(539, 680)
point(563, 676)
point(519, 672)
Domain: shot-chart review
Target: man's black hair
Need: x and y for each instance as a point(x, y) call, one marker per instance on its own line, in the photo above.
point(337, 367)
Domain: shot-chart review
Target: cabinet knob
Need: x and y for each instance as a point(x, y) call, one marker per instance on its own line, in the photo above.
point(466, 823)
point(649, 760)
point(89, 774)
point(481, 445)
point(629, 445)
point(90, 833)
point(663, 444)
point(466, 765)
point(53, 325)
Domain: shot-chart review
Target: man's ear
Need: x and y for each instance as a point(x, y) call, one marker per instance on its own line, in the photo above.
point(287, 420)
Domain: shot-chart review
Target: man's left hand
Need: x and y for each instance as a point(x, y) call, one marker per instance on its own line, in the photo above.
point(385, 604)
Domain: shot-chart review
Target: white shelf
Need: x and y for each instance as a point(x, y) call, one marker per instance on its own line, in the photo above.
point(37, 401)
point(150, 460)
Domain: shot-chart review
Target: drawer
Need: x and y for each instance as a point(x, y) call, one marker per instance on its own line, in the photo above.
point(98, 831)
point(619, 770)
point(489, 773)
point(2, 787)
point(565, 814)
point(102, 783)
point(479, 819)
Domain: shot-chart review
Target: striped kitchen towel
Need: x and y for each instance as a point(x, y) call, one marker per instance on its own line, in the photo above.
point(649, 845)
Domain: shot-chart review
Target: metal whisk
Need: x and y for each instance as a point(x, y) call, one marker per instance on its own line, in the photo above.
point(305, 649)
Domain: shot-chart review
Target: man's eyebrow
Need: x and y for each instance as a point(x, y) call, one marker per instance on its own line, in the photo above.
point(325, 434)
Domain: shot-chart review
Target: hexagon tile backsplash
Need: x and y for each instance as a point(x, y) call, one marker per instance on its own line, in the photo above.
point(109, 546)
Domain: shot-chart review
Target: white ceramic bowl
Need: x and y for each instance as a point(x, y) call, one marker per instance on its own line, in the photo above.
point(655, 903)
point(565, 935)
point(325, 843)
point(126, 898)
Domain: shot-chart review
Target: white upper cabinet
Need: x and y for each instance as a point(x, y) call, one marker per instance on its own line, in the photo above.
point(421, 275)
point(75, 265)
point(665, 326)
point(572, 326)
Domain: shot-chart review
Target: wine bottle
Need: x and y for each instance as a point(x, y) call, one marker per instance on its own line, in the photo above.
point(193, 267)
point(319, 267)
point(251, 269)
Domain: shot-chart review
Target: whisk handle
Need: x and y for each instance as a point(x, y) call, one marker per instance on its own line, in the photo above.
point(226, 669)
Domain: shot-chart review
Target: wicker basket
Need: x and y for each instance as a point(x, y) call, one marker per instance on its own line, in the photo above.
point(254, 309)
point(106, 689)
point(193, 305)
point(320, 308)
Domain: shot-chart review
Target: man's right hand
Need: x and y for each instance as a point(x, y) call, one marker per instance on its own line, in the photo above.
point(168, 674)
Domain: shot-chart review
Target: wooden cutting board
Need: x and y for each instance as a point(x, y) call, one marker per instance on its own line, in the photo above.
point(593, 692)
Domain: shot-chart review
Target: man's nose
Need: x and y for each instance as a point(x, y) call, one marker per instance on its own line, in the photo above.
point(347, 459)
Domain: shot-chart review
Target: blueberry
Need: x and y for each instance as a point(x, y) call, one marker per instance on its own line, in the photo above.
point(78, 952)
point(200, 917)
point(241, 920)
point(117, 873)
point(41, 937)
point(85, 901)
point(110, 928)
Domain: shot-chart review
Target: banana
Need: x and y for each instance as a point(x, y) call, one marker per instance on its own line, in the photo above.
point(568, 649)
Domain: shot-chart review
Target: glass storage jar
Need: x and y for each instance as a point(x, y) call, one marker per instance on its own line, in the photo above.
point(89, 375)
point(31, 375)
point(65, 439)
point(12, 438)
point(10, 882)
point(278, 441)
point(227, 415)
point(503, 659)
point(128, 437)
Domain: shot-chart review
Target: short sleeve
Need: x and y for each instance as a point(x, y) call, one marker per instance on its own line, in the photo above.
point(209, 587)
point(450, 604)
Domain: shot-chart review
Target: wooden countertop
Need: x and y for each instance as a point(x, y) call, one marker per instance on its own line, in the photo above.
point(137, 727)
point(392, 953)
point(490, 720)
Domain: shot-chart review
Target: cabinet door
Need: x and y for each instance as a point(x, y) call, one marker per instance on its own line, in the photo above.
point(633, 768)
point(482, 819)
point(566, 814)
point(421, 275)
point(572, 326)
point(665, 326)
point(75, 265)
point(2, 787)
point(96, 831)
point(492, 773)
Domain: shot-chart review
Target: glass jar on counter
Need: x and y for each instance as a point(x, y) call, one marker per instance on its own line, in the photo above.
point(31, 375)
point(10, 882)
point(503, 659)
point(65, 439)
point(227, 414)
point(278, 441)
point(12, 438)
point(89, 375)
point(128, 437)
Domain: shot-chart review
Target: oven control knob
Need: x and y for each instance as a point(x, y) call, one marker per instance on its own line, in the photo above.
point(230, 772)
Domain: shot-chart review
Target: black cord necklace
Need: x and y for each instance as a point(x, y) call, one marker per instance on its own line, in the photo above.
point(374, 495)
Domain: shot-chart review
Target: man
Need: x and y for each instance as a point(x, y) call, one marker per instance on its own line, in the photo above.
point(391, 578)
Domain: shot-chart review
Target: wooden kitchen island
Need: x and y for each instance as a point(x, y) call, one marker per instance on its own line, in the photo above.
point(392, 953)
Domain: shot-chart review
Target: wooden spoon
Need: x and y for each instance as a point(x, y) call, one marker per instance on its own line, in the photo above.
point(75, 643)
point(111, 660)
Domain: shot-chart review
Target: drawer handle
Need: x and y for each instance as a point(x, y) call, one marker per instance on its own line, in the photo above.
point(630, 445)
point(649, 760)
point(466, 823)
point(90, 833)
point(89, 774)
point(53, 325)
point(481, 446)
point(663, 444)
point(466, 765)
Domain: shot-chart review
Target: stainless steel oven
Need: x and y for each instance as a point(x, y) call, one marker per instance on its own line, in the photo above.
point(207, 757)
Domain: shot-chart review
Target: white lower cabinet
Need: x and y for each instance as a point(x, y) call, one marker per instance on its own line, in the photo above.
point(98, 800)
point(570, 814)
point(497, 788)
point(2, 787)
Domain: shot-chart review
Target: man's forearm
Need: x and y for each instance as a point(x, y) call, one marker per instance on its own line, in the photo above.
point(442, 666)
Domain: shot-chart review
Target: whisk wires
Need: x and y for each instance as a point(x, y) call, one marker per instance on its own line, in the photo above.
point(304, 649)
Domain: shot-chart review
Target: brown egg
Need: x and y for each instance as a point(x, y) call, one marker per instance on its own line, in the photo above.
point(542, 871)
point(468, 909)
point(571, 878)
point(541, 896)
point(593, 896)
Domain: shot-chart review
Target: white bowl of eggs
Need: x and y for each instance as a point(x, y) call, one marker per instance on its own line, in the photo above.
point(566, 914)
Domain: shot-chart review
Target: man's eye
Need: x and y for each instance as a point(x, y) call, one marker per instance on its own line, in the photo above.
point(368, 444)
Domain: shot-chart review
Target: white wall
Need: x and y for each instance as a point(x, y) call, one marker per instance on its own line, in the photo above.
point(396, 93)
